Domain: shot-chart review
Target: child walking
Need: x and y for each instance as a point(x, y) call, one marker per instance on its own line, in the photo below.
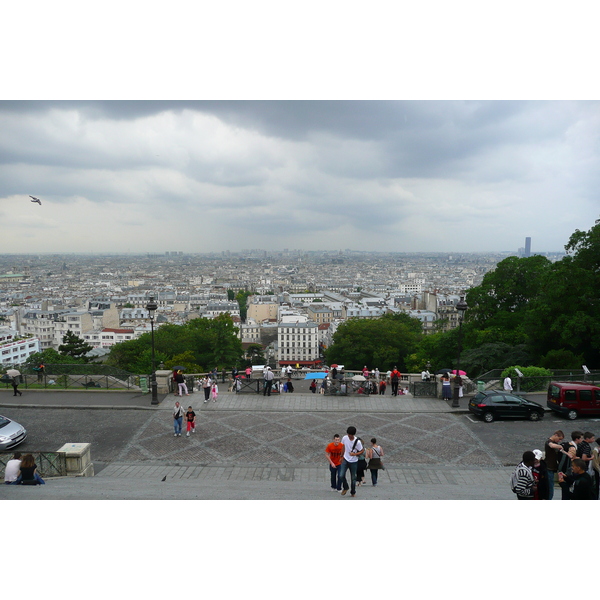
point(214, 391)
point(190, 417)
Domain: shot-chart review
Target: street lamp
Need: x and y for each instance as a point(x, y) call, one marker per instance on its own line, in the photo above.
point(151, 308)
point(461, 307)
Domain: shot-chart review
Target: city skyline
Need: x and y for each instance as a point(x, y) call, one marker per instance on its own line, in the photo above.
point(372, 176)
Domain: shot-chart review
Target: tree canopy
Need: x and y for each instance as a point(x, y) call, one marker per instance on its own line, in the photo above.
point(201, 344)
point(382, 343)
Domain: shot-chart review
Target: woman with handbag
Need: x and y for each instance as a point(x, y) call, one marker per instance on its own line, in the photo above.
point(374, 454)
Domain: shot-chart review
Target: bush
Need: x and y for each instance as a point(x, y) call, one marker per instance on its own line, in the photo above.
point(535, 379)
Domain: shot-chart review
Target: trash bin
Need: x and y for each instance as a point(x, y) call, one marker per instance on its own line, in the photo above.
point(481, 386)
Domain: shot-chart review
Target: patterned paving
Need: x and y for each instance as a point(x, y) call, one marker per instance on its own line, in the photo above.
point(245, 438)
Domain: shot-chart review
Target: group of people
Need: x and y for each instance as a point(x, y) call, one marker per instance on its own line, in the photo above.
point(574, 464)
point(350, 454)
point(22, 470)
point(270, 385)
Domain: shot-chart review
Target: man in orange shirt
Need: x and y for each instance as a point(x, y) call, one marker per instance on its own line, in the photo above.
point(335, 453)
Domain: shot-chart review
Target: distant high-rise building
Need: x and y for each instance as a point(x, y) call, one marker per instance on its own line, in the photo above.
point(527, 247)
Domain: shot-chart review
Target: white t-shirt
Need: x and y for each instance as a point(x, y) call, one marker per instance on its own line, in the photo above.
point(348, 444)
point(11, 472)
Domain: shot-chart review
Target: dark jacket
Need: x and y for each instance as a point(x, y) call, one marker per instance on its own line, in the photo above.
point(580, 487)
point(540, 474)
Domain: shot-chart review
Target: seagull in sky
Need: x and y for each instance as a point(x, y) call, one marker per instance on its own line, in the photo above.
point(34, 199)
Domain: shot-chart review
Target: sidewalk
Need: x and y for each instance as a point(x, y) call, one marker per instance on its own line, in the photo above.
point(230, 401)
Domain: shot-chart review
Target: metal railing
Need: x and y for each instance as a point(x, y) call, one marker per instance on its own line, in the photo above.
point(49, 464)
point(75, 376)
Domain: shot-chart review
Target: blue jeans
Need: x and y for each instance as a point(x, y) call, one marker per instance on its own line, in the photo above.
point(177, 425)
point(374, 473)
point(335, 476)
point(36, 476)
point(353, 466)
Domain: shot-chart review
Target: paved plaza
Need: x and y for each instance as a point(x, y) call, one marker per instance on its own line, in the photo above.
point(248, 446)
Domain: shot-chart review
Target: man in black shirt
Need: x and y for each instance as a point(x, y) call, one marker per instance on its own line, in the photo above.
point(553, 451)
point(579, 484)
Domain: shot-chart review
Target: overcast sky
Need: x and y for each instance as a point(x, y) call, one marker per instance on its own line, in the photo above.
point(428, 176)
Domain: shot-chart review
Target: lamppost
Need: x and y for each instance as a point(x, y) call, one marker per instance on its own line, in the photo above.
point(151, 308)
point(461, 307)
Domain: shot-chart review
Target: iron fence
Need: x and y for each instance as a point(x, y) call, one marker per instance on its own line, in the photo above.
point(49, 464)
point(77, 376)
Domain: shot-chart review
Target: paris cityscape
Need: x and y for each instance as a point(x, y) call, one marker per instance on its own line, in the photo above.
point(106, 295)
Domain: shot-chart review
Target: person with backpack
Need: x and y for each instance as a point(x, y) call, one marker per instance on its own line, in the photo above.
point(522, 482)
point(352, 448)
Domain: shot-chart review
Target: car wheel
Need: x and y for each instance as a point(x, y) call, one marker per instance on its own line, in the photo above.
point(488, 417)
point(534, 415)
point(572, 414)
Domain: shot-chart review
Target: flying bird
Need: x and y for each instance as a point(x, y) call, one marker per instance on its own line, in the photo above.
point(34, 199)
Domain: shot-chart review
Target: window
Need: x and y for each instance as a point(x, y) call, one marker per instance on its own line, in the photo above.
point(585, 395)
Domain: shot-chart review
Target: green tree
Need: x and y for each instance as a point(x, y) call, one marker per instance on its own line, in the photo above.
point(382, 343)
point(242, 299)
point(51, 357)
point(562, 359)
point(493, 355)
point(256, 354)
point(505, 293)
point(205, 342)
point(230, 295)
point(566, 314)
point(74, 346)
point(186, 360)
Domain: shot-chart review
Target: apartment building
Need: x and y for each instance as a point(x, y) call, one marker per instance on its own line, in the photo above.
point(214, 309)
point(41, 325)
point(298, 344)
point(320, 313)
point(262, 308)
point(15, 350)
point(107, 337)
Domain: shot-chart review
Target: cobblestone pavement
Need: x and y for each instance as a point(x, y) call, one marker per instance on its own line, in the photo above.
point(295, 438)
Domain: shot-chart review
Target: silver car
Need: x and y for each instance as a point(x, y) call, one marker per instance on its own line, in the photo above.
point(11, 433)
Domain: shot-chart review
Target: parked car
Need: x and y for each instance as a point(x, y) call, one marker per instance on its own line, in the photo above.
point(494, 404)
point(573, 398)
point(11, 433)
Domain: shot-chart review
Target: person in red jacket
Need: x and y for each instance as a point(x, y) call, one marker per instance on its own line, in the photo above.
point(395, 379)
